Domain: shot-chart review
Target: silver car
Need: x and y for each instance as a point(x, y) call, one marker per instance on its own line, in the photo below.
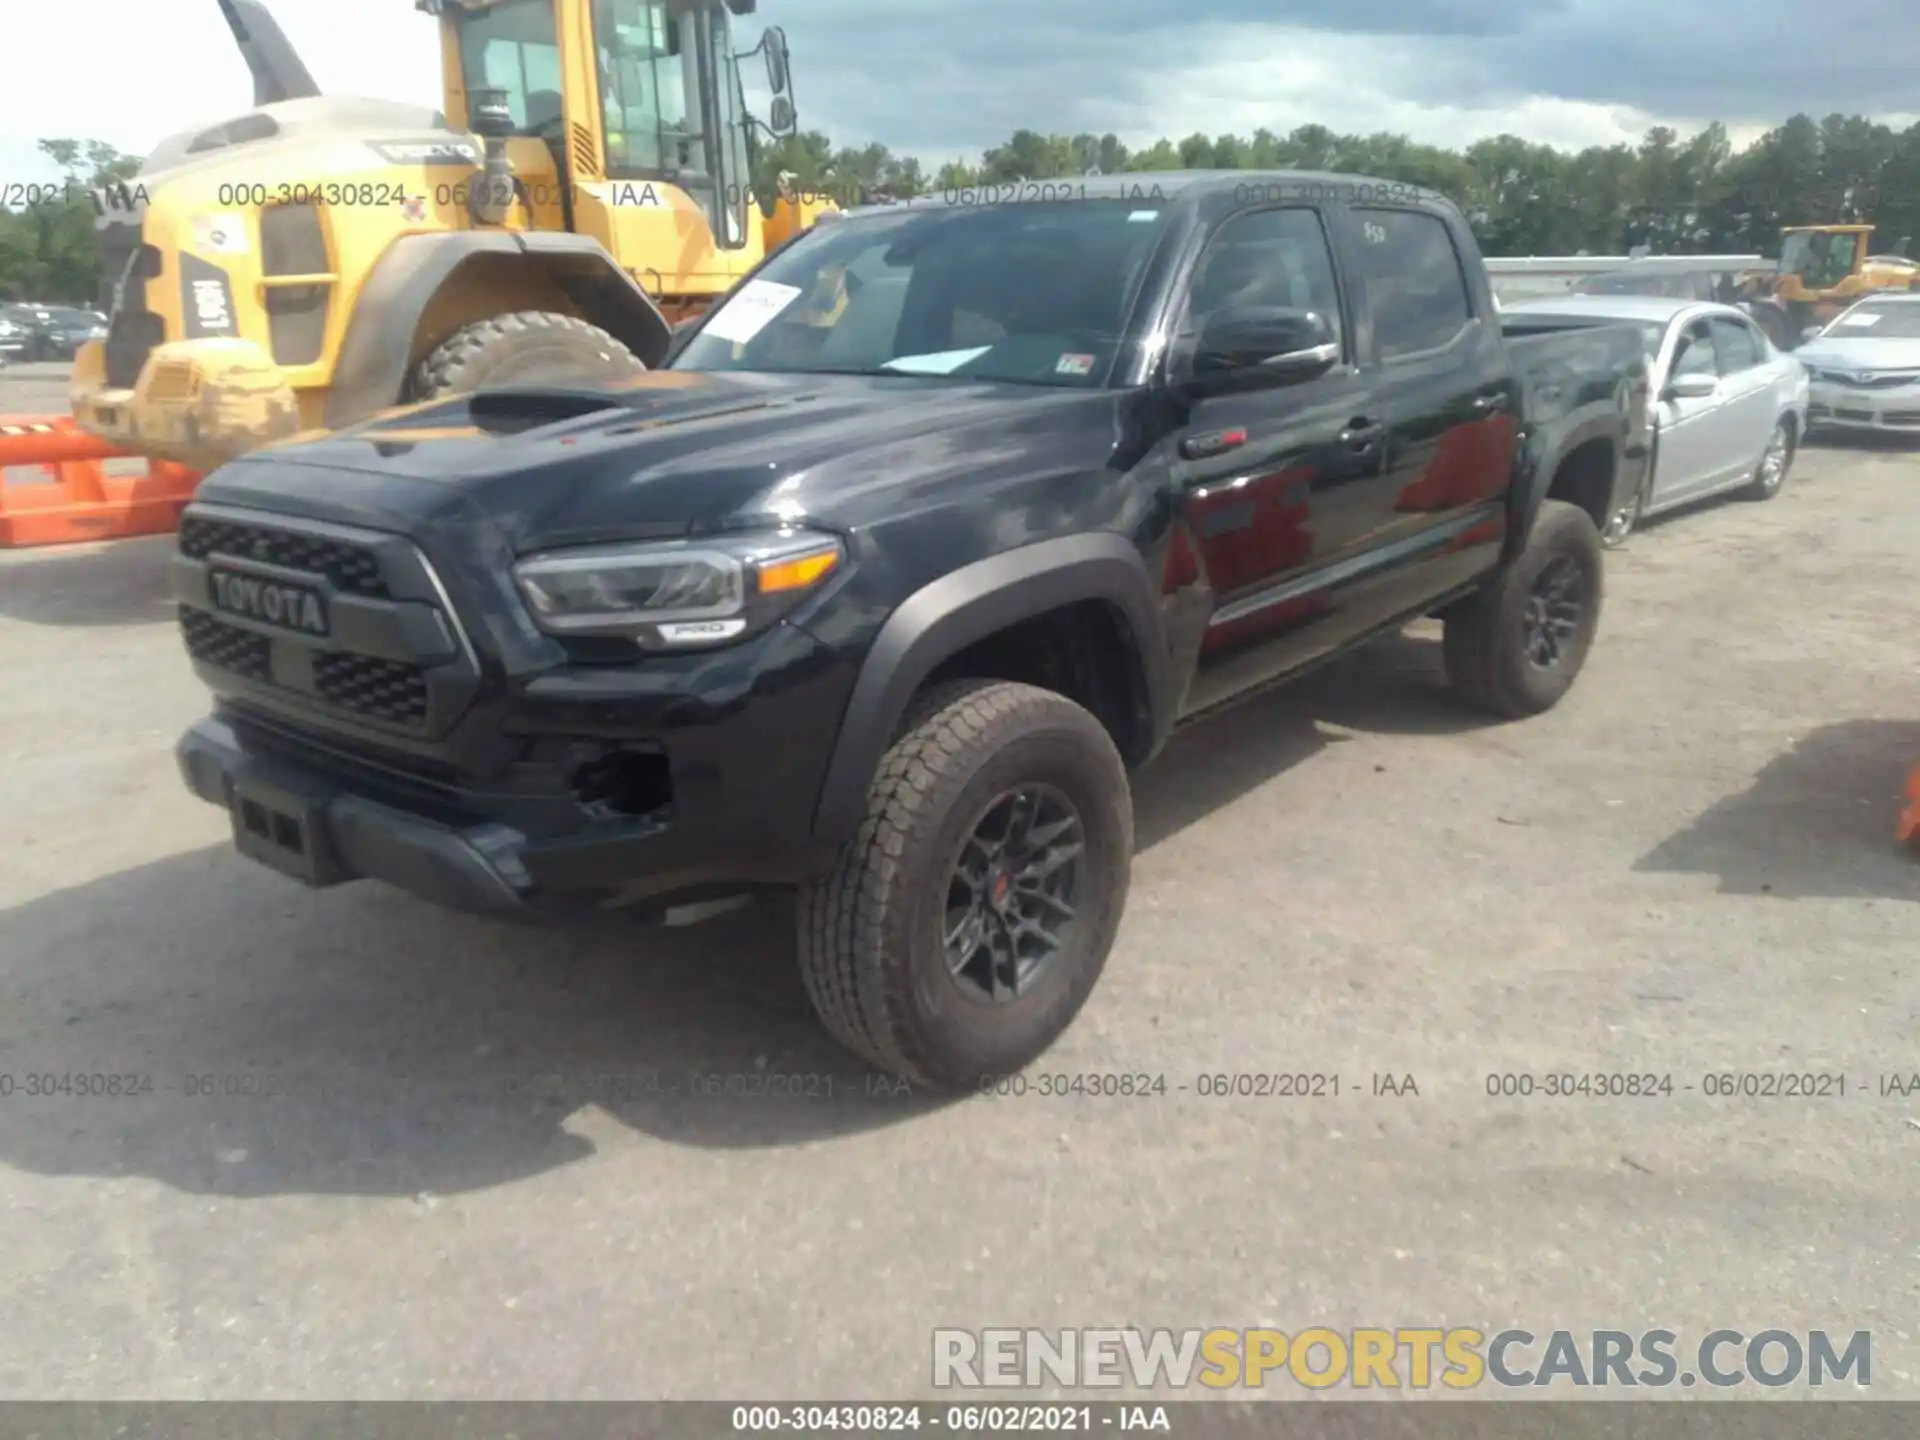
point(1731, 409)
point(1866, 366)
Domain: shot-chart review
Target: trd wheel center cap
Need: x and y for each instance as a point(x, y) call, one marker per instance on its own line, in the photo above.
point(1000, 891)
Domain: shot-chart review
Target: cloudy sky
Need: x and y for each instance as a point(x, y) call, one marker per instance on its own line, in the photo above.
point(940, 78)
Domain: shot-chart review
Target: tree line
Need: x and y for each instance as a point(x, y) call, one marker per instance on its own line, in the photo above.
point(1675, 196)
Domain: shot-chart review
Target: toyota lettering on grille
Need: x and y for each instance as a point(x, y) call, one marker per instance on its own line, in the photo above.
point(295, 608)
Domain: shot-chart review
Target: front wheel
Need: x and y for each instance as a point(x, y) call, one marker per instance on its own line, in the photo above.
point(965, 925)
point(524, 348)
point(1771, 473)
point(1516, 648)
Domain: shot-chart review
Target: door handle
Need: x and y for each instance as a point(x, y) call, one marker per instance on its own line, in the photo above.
point(1219, 442)
point(1497, 401)
point(1362, 433)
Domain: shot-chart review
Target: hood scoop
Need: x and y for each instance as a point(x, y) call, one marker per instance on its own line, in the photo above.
point(516, 409)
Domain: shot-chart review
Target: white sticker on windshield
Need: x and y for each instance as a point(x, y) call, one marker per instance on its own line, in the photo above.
point(1865, 317)
point(1139, 215)
point(941, 362)
point(750, 310)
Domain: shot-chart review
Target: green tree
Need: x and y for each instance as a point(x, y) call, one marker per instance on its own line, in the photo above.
point(47, 249)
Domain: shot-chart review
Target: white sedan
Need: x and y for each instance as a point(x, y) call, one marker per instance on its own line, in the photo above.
point(1730, 409)
point(1866, 366)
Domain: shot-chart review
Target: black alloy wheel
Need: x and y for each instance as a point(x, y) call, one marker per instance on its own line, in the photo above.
point(1013, 893)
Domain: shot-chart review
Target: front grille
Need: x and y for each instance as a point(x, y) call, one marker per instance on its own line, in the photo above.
point(388, 690)
point(395, 660)
point(226, 646)
point(350, 568)
point(173, 381)
point(1872, 382)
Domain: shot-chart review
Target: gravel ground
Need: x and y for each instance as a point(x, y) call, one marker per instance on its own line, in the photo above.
point(474, 1165)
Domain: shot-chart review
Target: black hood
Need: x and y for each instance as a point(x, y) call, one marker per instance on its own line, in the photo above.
point(672, 453)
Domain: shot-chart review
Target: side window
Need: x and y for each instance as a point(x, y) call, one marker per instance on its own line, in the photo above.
point(1733, 343)
point(1414, 281)
point(1266, 257)
point(1695, 354)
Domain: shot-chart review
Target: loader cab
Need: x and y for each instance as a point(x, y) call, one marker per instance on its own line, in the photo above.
point(1823, 257)
point(657, 95)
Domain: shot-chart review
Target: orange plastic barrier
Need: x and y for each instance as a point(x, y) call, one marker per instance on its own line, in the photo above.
point(1910, 817)
point(69, 498)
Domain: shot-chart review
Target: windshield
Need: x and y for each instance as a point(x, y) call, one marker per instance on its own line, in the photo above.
point(1878, 320)
point(1818, 258)
point(1033, 293)
point(1540, 322)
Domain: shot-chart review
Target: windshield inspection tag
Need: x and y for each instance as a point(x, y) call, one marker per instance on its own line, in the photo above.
point(1074, 365)
point(1140, 215)
point(943, 362)
point(751, 310)
point(1868, 318)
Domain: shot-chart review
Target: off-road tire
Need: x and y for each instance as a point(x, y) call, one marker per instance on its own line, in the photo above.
point(872, 951)
point(1765, 486)
point(1486, 636)
point(525, 347)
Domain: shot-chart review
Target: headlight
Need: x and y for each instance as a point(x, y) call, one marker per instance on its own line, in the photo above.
point(677, 594)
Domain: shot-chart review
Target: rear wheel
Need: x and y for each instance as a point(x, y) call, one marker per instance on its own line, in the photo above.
point(1516, 647)
point(1771, 473)
point(965, 925)
point(526, 347)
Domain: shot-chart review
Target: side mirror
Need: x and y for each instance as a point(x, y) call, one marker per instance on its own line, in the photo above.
point(777, 67)
point(780, 116)
point(1812, 332)
point(1271, 342)
point(1691, 387)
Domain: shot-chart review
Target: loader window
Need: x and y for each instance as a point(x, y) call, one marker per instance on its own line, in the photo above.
point(650, 88)
point(514, 47)
point(1820, 259)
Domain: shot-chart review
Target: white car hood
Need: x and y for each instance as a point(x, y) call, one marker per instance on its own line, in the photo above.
point(1832, 353)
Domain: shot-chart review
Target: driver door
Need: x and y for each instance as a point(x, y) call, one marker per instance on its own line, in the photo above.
point(1697, 436)
point(1273, 486)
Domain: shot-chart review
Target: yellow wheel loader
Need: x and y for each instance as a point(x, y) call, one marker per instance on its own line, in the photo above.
point(585, 188)
point(1823, 269)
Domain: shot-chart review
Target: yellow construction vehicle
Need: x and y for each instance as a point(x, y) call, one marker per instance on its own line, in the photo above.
point(1823, 269)
point(585, 188)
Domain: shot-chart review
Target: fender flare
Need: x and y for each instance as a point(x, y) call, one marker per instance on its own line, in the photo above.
point(372, 365)
point(1603, 424)
point(943, 618)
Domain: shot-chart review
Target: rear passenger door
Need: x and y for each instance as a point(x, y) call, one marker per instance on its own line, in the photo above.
point(1443, 383)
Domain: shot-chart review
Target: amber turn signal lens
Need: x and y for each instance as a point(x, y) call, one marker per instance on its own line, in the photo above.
point(797, 574)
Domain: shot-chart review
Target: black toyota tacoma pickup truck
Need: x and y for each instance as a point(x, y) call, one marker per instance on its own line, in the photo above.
point(930, 532)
